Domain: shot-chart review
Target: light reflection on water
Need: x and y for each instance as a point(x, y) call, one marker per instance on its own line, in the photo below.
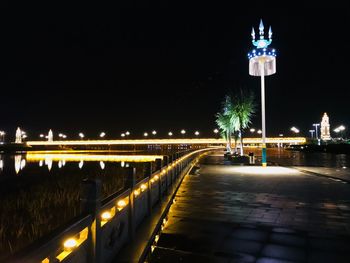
point(48, 159)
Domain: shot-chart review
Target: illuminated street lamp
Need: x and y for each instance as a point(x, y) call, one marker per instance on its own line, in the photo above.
point(102, 134)
point(312, 133)
point(170, 133)
point(340, 129)
point(259, 132)
point(41, 135)
point(262, 62)
point(145, 134)
point(183, 132)
point(216, 131)
point(154, 132)
point(252, 130)
point(81, 135)
point(2, 134)
point(196, 133)
point(127, 133)
point(316, 125)
point(295, 130)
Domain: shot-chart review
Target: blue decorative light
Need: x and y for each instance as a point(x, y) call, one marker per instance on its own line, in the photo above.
point(261, 44)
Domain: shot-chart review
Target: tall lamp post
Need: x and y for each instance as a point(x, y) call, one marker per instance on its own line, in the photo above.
point(316, 125)
point(262, 62)
point(312, 133)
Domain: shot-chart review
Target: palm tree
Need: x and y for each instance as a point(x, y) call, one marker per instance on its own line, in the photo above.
point(242, 112)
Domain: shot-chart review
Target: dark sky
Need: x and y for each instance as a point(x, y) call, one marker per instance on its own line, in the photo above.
point(165, 69)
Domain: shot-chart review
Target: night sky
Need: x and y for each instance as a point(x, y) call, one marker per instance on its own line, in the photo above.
point(165, 69)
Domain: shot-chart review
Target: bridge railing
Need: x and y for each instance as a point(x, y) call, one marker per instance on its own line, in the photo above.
point(105, 226)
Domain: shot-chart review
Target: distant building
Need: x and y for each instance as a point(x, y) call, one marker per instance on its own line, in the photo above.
point(325, 128)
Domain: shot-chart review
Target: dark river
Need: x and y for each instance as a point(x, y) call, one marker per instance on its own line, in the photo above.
point(296, 158)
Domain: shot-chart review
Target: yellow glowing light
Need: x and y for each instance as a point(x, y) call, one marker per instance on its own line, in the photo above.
point(46, 260)
point(106, 215)
point(156, 177)
point(70, 244)
point(121, 204)
point(143, 187)
point(152, 181)
point(168, 141)
point(72, 157)
point(137, 192)
point(156, 238)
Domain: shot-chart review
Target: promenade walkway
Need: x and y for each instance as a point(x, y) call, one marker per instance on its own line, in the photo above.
point(226, 213)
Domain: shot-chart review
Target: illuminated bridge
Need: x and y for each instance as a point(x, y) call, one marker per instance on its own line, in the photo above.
point(273, 141)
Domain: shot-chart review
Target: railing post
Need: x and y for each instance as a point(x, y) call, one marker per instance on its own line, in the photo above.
point(159, 168)
point(165, 164)
point(148, 173)
point(90, 202)
point(131, 181)
point(171, 172)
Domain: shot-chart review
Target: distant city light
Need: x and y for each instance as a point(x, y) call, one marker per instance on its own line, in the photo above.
point(145, 134)
point(196, 133)
point(81, 135)
point(216, 130)
point(102, 165)
point(41, 135)
point(294, 129)
point(183, 131)
point(259, 132)
point(123, 134)
point(170, 133)
point(339, 129)
point(154, 132)
point(127, 133)
point(102, 134)
point(252, 130)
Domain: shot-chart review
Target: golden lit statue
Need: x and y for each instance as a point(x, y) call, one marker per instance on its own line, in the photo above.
point(325, 128)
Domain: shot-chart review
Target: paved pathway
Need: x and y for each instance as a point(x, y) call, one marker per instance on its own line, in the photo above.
point(227, 213)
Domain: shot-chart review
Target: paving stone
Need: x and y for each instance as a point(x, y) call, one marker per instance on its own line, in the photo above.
point(236, 257)
point(283, 230)
point(330, 244)
point(284, 252)
point(273, 260)
point(327, 257)
point(249, 234)
point(174, 256)
point(287, 239)
point(239, 245)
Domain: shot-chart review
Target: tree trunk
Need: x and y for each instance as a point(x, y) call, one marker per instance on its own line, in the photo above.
point(236, 139)
point(229, 141)
point(241, 138)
